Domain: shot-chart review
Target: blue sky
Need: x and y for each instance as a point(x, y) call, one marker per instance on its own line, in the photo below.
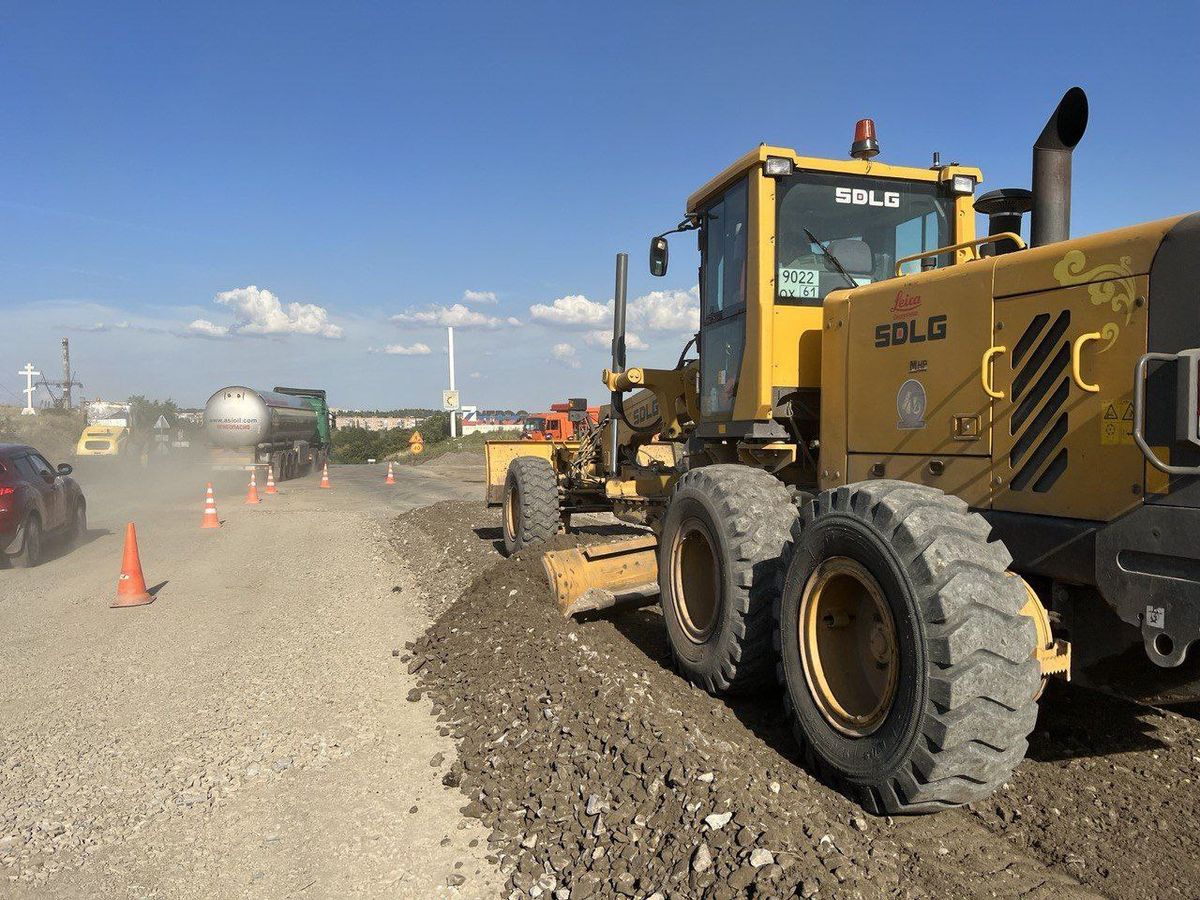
point(375, 162)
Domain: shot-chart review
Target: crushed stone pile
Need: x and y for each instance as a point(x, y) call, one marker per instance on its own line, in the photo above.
point(602, 773)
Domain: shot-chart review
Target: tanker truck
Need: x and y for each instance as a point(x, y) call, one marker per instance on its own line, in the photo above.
point(288, 428)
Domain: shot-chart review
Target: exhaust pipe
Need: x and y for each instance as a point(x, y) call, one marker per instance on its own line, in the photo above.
point(618, 355)
point(1051, 221)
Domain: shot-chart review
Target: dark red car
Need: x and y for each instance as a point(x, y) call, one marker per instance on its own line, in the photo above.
point(36, 501)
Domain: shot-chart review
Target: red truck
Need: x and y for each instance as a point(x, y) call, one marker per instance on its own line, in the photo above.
point(562, 421)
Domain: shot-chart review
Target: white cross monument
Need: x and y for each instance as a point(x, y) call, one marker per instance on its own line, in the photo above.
point(28, 373)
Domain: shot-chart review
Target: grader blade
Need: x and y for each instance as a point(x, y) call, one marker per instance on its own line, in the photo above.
point(585, 579)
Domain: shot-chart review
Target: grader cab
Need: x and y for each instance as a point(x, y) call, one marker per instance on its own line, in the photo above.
point(917, 470)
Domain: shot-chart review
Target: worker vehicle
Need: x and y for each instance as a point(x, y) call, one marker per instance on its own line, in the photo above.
point(37, 502)
point(922, 469)
point(287, 429)
point(109, 432)
point(561, 422)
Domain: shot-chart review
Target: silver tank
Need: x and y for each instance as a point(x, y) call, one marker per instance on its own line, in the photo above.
point(238, 417)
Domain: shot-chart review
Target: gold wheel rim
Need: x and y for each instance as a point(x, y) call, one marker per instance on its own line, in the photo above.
point(848, 647)
point(512, 511)
point(695, 580)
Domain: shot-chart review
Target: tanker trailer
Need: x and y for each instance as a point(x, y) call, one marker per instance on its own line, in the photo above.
point(288, 428)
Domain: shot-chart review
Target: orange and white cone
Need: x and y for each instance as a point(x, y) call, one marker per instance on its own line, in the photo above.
point(271, 480)
point(131, 586)
point(252, 491)
point(210, 520)
point(325, 476)
point(391, 479)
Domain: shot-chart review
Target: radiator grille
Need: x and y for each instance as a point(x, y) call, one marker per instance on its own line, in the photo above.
point(1040, 387)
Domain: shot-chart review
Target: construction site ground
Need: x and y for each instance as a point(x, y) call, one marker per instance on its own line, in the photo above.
point(252, 734)
point(248, 733)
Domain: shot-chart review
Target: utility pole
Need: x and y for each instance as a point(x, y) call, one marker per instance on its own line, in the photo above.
point(453, 417)
point(28, 372)
point(68, 379)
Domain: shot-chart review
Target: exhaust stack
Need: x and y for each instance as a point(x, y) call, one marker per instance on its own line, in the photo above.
point(1051, 221)
point(618, 355)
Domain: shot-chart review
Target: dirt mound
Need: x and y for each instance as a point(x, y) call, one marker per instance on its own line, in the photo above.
point(602, 772)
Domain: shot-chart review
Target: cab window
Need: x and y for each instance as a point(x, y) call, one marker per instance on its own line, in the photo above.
point(866, 224)
point(724, 288)
point(723, 300)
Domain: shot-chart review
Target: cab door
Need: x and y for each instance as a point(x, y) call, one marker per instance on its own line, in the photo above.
point(52, 489)
point(1062, 436)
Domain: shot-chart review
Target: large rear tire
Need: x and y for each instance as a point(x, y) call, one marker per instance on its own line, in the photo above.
point(532, 512)
point(908, 669)
point(720, 566)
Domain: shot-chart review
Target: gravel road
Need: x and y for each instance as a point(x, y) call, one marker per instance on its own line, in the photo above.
point(245, 735)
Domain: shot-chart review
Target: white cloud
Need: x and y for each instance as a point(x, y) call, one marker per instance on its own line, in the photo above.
point(479, 297)
point(417, 349)
point(677, 311)
point(456, 315)
point(513, 320)
point(565, 353)
point(667, 310)
point(574, 309)
point(258, 311)
point(604, 339)
point(474, 375)
point(205, 328)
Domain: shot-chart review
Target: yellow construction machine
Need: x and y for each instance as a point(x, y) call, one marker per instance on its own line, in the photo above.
point(914, 470)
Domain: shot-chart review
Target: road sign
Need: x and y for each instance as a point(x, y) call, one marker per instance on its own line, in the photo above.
point(415, 443)
point(450, 400)
point(161, 424)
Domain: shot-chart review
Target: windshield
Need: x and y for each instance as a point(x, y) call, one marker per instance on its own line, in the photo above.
point(535, 423)
point(867, 223)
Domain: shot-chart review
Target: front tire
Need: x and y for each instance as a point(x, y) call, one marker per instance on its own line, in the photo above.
point(532, 512)
point(908, 668)
point(721, 561)
point(31, 545)
point(78, 529)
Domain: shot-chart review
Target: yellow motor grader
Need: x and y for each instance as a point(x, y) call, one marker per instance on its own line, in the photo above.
point(912, 472)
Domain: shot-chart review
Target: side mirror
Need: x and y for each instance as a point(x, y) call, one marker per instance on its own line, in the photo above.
point(65, 468)
point(658, 256)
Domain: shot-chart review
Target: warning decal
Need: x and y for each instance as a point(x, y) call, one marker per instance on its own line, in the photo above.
point(1116, 422)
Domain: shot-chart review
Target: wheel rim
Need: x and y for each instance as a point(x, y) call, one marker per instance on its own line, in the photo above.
point(848, 646)
point(695, 580)
point(512, 511)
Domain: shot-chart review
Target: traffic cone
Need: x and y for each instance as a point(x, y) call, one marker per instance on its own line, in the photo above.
point(271, 480)
point(210, 520)
point(391, 479)
point(252, 492)
point(325, 476)
point(131, 586)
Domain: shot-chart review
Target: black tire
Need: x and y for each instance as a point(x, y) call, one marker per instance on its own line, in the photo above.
point(77, 530)
point(532, 513)
point(721, 558)
point(31, 544)
point(965, 680)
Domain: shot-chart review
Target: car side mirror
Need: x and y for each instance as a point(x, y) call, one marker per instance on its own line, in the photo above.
point(65, 468)
point(658, 256)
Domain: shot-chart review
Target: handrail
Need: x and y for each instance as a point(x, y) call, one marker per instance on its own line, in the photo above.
point(965, 245)
point(1139, 416)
